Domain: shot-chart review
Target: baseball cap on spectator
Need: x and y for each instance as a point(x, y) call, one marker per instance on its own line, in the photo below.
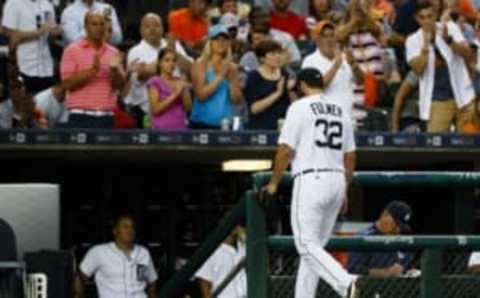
point(217, 30)
point(311, 76)
point(401, 213)
point(230, 21)
point(320, 26)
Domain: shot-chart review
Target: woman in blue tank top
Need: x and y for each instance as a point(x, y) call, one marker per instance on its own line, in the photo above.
point(216, 83)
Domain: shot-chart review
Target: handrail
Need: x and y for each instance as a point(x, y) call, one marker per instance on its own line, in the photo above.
point(389, 179)
point(386, 243)
point(181, 278)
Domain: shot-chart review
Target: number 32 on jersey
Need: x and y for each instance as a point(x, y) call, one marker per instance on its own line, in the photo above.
point(329, 134)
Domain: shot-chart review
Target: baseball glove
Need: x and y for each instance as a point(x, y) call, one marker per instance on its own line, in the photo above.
point(271, 206)
point(265, 199)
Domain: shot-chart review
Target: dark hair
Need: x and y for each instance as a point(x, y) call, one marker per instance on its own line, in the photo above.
point(161, 54)
point(310, 76)
point(256, 10)
point(421, 5)
point(256, 29)
point(221, 2)
point(312, 12)
point(117, 219)
point(267, 46)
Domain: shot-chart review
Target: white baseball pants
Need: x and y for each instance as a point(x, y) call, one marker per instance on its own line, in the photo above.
point(316, 202)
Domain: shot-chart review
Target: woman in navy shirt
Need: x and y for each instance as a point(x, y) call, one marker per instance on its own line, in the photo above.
point(267, 88)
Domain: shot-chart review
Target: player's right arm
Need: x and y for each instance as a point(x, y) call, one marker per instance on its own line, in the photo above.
point(282, 160)
point(205, 288)
point(287, 143)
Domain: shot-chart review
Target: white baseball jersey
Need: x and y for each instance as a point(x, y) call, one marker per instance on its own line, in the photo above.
point(116, 275)
point(319, 131)
point(474, 259)
point(219, 265)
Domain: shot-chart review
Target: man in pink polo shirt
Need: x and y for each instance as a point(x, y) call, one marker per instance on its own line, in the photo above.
point(94, 73)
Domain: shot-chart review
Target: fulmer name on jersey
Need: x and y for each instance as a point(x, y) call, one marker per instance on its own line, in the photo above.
point(319, 108)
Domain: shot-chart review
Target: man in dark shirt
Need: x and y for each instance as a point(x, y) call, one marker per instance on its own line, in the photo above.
point(403, 25)
point(393, 221)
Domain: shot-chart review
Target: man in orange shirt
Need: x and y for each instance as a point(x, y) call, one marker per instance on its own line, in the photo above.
point(189, 24)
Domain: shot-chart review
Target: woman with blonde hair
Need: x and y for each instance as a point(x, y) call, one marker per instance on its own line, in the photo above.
point(215, 81)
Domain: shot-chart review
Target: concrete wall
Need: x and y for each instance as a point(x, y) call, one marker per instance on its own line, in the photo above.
point(33, 211)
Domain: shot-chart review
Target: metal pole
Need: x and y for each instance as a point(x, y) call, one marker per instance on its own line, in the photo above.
point(431, 283)
point(257, 273)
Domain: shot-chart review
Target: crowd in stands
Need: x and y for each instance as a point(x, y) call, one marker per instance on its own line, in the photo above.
point(403, 65)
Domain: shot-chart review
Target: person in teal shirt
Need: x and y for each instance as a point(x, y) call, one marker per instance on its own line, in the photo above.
point(215, 81)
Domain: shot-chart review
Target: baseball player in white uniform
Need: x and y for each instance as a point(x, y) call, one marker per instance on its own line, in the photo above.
point(227, 256)
point(474, 262)
point(317, 138)
point(121, 268)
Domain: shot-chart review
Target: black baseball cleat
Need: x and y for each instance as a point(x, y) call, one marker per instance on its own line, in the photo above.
point(354, 290)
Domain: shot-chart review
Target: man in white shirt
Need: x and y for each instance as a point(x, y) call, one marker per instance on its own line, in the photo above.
point(142, 62)
point(73, 18)
point(437, 53)
point(227, 256)
point(28, 24)
point(50, 103)
point(121, 268)
point(317, 138)
point(339, 71)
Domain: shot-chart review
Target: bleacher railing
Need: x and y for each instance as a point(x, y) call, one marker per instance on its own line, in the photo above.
point(147, 137)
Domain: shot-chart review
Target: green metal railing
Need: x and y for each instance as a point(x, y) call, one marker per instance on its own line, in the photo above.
point(390, 179)
point(259, 243)
point(180, 280)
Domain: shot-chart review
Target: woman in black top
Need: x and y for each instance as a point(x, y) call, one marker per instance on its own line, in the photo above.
point(266, 90)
